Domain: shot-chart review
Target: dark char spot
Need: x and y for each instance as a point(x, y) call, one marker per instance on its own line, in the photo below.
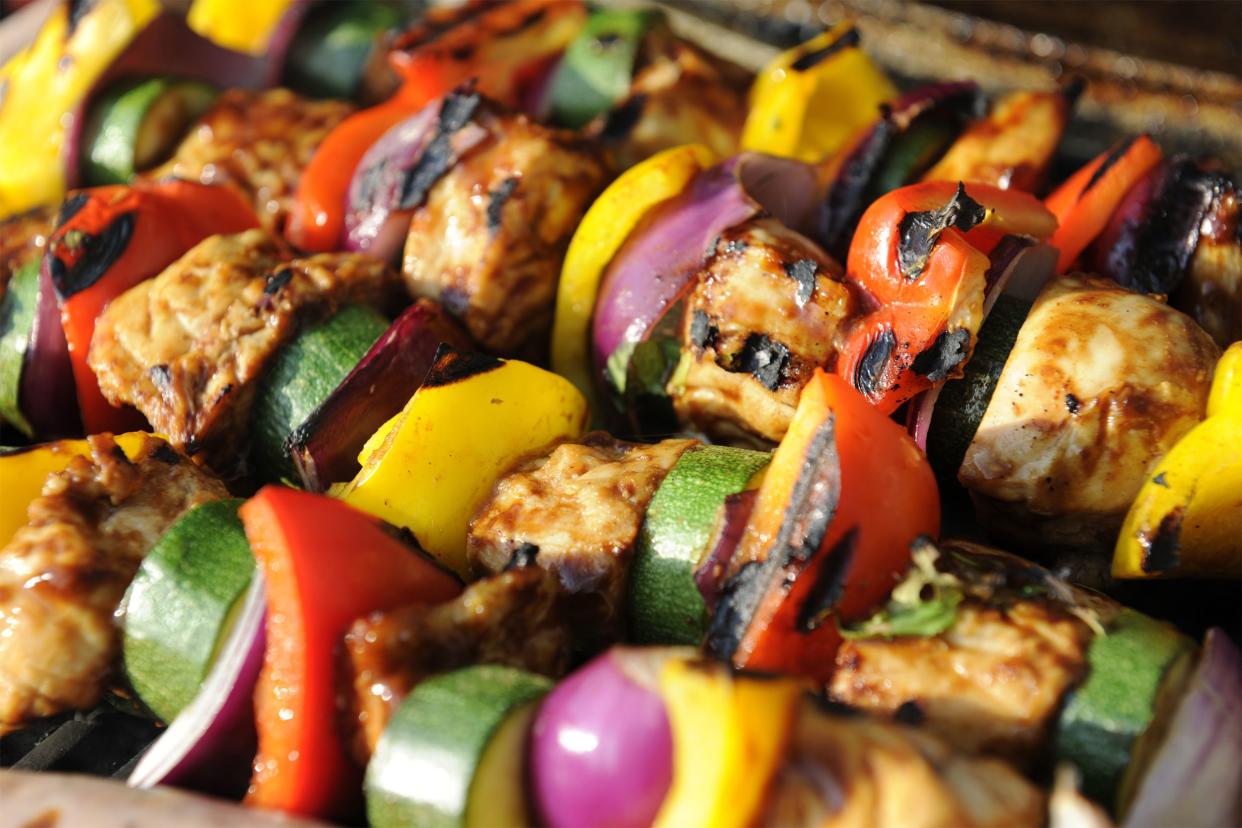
point(165, 454)
point(1112, 158)
point(920, 230)
point(623, 118)
point(438, 158)
point(496, 202)
point(702, 332)
point(522, 557)
point(829, 584)
point(803, 271)
point(764, 359)
point(1072, 403)
point(848, 40)
point(911, 713)
point(277, 280)
point(1161, 549)
point(71, 206)
point(1160, 480)
point(869, 375)
point(452, 366)
point(948, 351)
point(98, 253)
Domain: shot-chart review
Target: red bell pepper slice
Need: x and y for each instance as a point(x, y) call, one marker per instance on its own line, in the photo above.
point(504, 45)
point(325, 565)
point(110, 239)
point(846, 494)
point(916, 256)
point(1084, 203)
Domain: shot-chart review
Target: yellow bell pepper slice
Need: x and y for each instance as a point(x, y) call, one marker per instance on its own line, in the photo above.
point(430, 468)
point(730, 733)
point(1187, 518)
point(599, 236)
point(241, 25)
point(23, 471)
point(43, 84)
point(813, 98)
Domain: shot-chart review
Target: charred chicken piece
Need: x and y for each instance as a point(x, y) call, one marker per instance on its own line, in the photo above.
point(993, 680)
point(188, 347)
point(845, 772)
point(489, 239)
point(1100, 383)
point(764, 313)
point(64, 572)
point(260, 142)
point(575, 512)
point(515, 619)
point(22, 239)
point(679, 95)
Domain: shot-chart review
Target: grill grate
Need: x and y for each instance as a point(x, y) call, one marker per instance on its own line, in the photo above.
point(102, 742)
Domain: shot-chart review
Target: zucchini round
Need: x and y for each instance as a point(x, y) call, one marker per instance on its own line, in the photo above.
point(330, 51)
point(665, 604)
point(454, 754)
point(180, 605)
point(598, 65)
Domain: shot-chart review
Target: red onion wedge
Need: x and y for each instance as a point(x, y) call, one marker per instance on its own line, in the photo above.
point(211, 744)
point(48, 394)
point(1195, 776)
point(1020, 268)
point(398, 171)
point(655, 265)
point(601, 750)
point(325, 448)
point(710, 576)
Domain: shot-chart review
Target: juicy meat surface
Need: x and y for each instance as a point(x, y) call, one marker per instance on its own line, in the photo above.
point(764, 313)
point(64, 572)
point(514, 619)
point(679, 95)
point(1100, 383)
point(22, 239)
point(260, 142)
point(489, 240)
point(992, 683)
point(188, 347)
point(577, 511)
point(845, 772)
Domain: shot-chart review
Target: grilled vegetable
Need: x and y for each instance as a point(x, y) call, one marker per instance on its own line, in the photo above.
point(591, 766)
point(664, 601)
point(324, 448)
point(331, 50)
point(810, 100)
point(1138, 667)
point(601, 234)
point(596, 69)
point(210, 745)
point(23, 471)
point(730, 734)
point(244, 26)
point(1187, 517)
point(136, 124)
point(915, 256)
point(1087, 199)
point(499, 43)
point(820, 545)
point(109, 239)
point(17, 316)
point(180, 606)
point(325, 565)
point(301, 378)
point(455, 753)
point(431, 466)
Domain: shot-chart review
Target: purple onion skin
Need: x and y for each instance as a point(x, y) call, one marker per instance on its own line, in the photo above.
point(1195, 776)
point(658, 261)
point(710, 576)
point(325, 448)
point(48, 394)
point(601, 749)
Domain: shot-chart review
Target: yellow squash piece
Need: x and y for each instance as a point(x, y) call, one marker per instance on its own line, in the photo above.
point(40, 88)
point(241, 25)
point(23, 471)
point(811, 99)
point(430, 468)
point(603, 230)
point(1187, 518)
point(730, 733)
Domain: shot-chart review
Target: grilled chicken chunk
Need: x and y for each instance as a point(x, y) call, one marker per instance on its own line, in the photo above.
point(575, 512)
point(515, 619)
point(1101, 382)
point(489, 240)
point(22, 239)
point(258, 141)
point(64, 572)
point(764, 313)
point(679, 95)
point(188, 347)
point(845, 772)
